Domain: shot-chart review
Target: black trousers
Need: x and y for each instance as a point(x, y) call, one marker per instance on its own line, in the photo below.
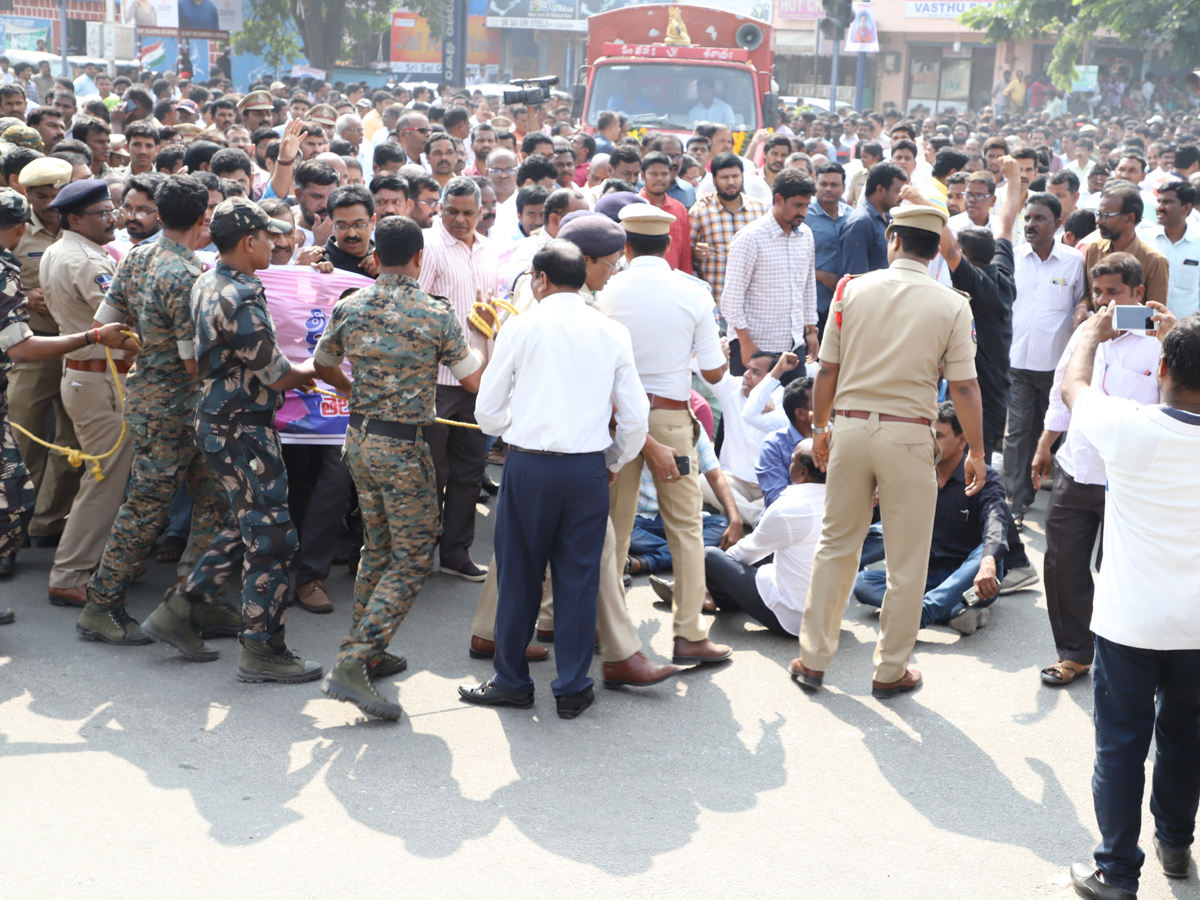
point(319, 496)
point(459, 458)
point(733, 586)
point(1073, 522)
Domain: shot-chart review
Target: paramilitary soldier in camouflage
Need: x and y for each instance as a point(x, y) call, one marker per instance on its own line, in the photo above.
point(243, 375)
point(18, 343)
point(395, 335)
point(153, 289)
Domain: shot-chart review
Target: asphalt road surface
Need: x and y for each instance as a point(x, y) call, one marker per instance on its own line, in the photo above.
point(134, 773)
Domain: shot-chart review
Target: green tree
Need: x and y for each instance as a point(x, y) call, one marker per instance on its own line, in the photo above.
point(324, 29)
point(1075, 22)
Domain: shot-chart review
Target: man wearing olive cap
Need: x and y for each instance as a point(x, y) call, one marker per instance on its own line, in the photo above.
point(888, 333)
point(35, 386)
point(255, 109)
point(243, 375)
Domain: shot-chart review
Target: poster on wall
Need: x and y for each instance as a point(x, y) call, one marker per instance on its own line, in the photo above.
point(416, 52)
point(25, 34)
point(862, 36)
point(151, 13)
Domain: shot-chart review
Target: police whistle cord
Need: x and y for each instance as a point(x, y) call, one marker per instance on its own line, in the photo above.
point(324, 393)
point(74, 455)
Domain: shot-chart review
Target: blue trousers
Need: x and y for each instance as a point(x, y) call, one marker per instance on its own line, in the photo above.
point(551, 509)
point(943, 588)
point(1140, 694)
point(649, 539)
point(179, 516)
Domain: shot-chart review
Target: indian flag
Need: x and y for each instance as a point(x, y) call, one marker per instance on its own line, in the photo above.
point(154, 55)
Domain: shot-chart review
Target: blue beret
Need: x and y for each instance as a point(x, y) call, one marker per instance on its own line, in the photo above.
point(81, 193)
point(592, 232)
point(611, 204)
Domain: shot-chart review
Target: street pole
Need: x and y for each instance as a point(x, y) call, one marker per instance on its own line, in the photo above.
point(833, 72)
point(859, 77)
point(62, 6)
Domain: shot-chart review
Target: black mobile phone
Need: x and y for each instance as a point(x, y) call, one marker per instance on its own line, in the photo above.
point(684, 463)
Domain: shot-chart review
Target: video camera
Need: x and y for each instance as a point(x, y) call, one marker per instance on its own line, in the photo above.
point(534, 92)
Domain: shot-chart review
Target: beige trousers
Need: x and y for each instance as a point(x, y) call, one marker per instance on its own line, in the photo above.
point(679, 505)
point(747, 496)
point(92, 402)
point(618, 637)
point(899, 459)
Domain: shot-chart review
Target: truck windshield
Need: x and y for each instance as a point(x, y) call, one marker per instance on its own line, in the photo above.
point(670, 95)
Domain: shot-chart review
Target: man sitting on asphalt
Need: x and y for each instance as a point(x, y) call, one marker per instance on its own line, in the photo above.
point(773, 469)
point(971, 539)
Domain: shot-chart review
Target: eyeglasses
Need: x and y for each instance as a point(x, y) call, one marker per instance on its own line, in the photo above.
point(343, 227)
point(612, 266)
point(432, 204)
point(423, 130)
point(977, 197)
point(102, 213)
point(512, 171)
point(137, 213)
point(1105, 216)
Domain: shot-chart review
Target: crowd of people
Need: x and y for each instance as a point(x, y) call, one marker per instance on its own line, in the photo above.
point(935, 292)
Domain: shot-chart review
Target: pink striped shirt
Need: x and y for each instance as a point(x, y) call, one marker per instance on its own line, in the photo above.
point(451, 269)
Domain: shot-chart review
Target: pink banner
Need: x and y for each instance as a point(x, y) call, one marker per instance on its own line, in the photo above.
point(300, 300)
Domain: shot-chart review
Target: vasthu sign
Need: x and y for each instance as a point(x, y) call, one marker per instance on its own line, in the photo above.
point(939, 9)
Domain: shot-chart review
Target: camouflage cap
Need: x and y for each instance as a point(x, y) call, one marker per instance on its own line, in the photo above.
point(14, 209)
point(237, 215)
point(8, 122)
point(23, 136)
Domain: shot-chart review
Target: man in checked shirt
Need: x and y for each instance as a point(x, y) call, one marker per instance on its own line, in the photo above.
point(770, 294)
point(718, 217)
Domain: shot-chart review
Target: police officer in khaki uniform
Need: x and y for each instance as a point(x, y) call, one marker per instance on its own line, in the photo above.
point(76, 272)
point(323, 114)
point(891, 334)
point(255, 109)
point(34, 386)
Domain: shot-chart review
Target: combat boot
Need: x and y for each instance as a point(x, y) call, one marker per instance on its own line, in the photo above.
point(273, 661)
point(113, 625)
point(172, 624)
point(7, 617)
point(383, 664)
point(349, 682)
point(214, 620)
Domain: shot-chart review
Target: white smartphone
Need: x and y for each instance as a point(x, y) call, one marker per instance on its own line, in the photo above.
point(1135, 318)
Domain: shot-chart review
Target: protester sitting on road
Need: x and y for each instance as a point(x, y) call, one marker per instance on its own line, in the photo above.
point(773, 469)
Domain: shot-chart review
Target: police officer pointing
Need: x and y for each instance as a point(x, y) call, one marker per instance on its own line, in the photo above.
point(888, 334)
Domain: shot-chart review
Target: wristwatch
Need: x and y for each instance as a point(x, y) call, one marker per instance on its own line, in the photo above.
point(821, 429)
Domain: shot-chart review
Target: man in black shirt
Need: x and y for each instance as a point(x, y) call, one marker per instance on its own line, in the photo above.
point(971, 540)
point(350, 248)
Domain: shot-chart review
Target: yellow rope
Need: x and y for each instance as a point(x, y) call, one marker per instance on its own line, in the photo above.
point(318, 390)
point(74, 455)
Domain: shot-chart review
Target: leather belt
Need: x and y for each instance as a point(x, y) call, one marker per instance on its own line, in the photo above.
point(264, 418)
point(401, 431)
point(538, 452)
point(98, 365)
point(883, 417)
point(657, 402)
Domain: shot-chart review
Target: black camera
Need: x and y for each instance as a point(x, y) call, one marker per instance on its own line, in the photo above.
point(533, 92)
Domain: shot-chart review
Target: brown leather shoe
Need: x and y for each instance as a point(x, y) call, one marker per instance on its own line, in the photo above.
point(481, 649)
point(804, 676)
point(73, 596)
point(546, 637)
point(884, 690)
point(637, 671)
point(312, 596)
point(694, 653)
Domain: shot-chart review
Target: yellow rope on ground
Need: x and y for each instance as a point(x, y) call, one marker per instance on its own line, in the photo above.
point(324, 393)
point(74, 455)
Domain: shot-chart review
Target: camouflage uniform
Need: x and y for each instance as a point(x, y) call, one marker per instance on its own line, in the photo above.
point(153, 286)
point(16, 490)
point(395, 336)
point(237, 356)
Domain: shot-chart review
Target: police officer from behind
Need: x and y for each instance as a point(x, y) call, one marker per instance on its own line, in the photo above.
point(888, 333)
point(395, 335)
point(243, 374)
point(76, 272)
point(153, 291)
point(669, 318)
point(18, 343)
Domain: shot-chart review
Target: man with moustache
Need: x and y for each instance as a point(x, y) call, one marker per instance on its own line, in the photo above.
point(1117, 216)
point(141, 211)
point(390, 194)
point(441, 153)
point(717, 217)
point(425, 198)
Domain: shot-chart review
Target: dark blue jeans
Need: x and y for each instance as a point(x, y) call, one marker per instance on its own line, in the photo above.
point(648, 539)
point(943, 588)
point(1139, 694)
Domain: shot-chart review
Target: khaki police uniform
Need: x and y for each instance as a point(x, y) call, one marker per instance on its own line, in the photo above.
point(33, 387)
point(888, 334)
point(75, 274)
point(323, 114)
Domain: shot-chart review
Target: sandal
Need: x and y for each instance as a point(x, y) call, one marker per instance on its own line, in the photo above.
point(638, 566)
point(1063, 672)
point(171, 550)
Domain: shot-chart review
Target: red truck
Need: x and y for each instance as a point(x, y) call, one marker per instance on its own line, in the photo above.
point(637, 65)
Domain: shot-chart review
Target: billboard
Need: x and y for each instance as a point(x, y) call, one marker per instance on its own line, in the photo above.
point(807, 10)
point(938, 9)
point(416, 52)
point(24, 34)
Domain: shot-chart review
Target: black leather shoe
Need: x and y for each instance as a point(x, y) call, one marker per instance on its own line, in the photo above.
point(571, 705)
point(45, 540)
point(8, 565)
point(490, 486)
point(1086, 879)
point(486, 694)
point(1175, 863)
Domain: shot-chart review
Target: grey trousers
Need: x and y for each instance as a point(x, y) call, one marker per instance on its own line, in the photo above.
point(1026, 415)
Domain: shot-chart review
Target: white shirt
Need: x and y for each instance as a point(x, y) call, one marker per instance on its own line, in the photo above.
point(669, 318)
point(553, 377)
point(1081, 171)
point(1147, 595)
point(739, 451)
point(720, 111)
point(790, 528)
point(1045, 303)
point(1183, 268)
point(962, 220)
point(1126, 366)
point(754, 411)
point(522, 255)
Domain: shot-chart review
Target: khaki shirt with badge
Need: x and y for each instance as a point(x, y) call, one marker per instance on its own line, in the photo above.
point(75, 275)
point(29, 251)
point(889, 332)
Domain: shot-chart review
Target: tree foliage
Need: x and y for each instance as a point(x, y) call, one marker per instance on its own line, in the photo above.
point(325, 30)
point(1075, 22)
